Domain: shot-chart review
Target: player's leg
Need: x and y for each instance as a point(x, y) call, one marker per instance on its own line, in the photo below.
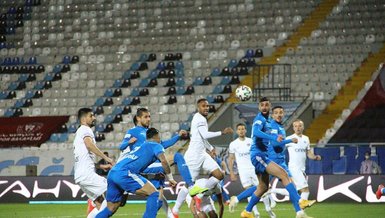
point(113, 196)
point(380, 191)
point(94, 186)
point(211, 166)
point(256, 196)
point(194, 167)
point(183, 192)
point(183, 169)
point(152, 194)
point(249, 185)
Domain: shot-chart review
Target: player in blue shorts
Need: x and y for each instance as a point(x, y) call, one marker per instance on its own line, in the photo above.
point(261, 136)
point(125, 176)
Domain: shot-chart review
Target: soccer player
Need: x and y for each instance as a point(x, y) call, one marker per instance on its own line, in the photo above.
point(196, 156)
point(297, 158)
point(207, 204)
point(261, 135)
point(125, 176)
point(380, 191)
point(85, 150)
point(239, 151)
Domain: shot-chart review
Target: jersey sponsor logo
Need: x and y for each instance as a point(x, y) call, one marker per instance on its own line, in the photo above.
point(259, 122)
point(128, 135)
point(274, 131)
point(244, 154)
point(300, 150)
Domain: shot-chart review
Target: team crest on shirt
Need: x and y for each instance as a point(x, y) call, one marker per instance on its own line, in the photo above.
point(248, 144)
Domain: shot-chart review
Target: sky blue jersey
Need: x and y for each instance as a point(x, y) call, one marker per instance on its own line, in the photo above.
point(260, 133)
point(276, 150)
point(140, 157)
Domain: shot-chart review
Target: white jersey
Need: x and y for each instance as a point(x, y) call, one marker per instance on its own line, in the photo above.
point(241, 150)
point(84, 159)
point(199, 135)
point(298, 151)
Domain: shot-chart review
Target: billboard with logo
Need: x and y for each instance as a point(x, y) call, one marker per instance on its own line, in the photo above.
point(328, 188)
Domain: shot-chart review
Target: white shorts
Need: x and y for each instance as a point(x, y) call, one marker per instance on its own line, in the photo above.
point(299, 178)
point(93, 185)
point(248, 177)
point(207, 204)
point(205, 162)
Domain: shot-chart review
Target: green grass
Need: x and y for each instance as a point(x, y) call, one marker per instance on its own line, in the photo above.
point(283, 210)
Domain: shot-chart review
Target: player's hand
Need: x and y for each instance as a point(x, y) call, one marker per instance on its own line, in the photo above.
point(132, 140)
point(110, 161)
point(294, 140)
point(233, 177)
point(279, 138)
point(227, 130)
point(182, 133)
point(172, 183)
point(318, 157)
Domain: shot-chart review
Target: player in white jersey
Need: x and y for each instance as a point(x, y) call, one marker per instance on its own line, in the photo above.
point(239, 151)
point(85, 150)
point(297, 158)
point(196, 156)
point(207, 204)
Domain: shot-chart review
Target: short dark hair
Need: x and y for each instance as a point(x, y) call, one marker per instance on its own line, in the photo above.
point(277, 107)
point(151, 132)
point(201, 99)
point(263, 99)
point(241, 124)
point(139, 113)
point(83, 111)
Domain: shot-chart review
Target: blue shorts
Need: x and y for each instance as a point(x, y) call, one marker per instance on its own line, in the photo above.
point(283, 164)
point(120, 181)
point(157, 169)
point(260, 161)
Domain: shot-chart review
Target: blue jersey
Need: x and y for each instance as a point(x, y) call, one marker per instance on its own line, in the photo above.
point(260, 134)
point(140, 158)
point(139, 132)
point(276, 150)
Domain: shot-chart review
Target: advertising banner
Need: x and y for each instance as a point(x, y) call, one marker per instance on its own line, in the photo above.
point(31, 131)
point(328, 188)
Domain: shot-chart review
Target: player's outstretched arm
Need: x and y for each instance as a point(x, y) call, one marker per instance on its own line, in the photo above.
point(127, 140)
point(170, 142)
point(94, 149)
point(257, 132)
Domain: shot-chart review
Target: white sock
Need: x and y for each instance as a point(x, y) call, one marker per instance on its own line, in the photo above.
point(179, 200)
point(305, 195)
point(93, 213)
point(212, 182)
point(266, 202)
point(281, 191)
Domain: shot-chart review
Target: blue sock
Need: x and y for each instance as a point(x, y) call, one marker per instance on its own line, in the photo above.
point(383, 191)
point(160, 203)
point(246, 193)
point(104, 213)
point(183, 169)
point(253, 201)
point(226, 196)
point(151, 205)
point(294, 196)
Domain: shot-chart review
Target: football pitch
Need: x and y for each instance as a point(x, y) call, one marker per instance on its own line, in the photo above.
point(282, 210)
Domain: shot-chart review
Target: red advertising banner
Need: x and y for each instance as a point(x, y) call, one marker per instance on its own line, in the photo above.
point(31, 131)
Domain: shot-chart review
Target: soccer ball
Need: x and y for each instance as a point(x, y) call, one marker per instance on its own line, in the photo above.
point(243, 93)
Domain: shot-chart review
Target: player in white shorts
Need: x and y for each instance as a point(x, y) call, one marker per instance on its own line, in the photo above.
point(85, 150)
point(196, 156)
point(207, 204)
point(297, 158)
point(239, 151)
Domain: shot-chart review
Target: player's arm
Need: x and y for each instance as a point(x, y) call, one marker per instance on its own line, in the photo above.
point(163, 160)
point(221, 206)
point(312, 156)
point(206, 134)
point(194, 211)
point(257, 132)
point(170, 142)
point(231, 166)
point(127, 140)
point(94, 149)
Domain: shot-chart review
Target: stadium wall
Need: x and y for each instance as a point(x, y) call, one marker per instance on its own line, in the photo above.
point(328, 188)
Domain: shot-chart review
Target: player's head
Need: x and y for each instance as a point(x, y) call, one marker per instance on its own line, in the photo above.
point(152, 134)
point(241, 130)
point(367, 155)
point(298, 126)
point(278, 113)
point(264, 106)
point(203, 107)
point(86, 117)
point(142, 117)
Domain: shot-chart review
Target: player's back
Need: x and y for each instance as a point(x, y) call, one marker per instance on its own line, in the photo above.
point(140, 157)
point(84, 159)
point(277, 152)
point(262, 123)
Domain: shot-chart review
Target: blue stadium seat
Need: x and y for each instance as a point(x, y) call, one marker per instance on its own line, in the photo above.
point(216, 72)
point(99, 101)
point(232, 63)
point(32, 60)
point(127, 101)
point(314, 167)
point(9, 112)
point(179, 65)
point(198, 81)
point(66, 59)
point(340, 165)
point(328, 154)
point(108, 93)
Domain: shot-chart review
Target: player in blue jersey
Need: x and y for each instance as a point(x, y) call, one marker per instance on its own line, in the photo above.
point(261, 136)
point(125, 176)
point(277, 150)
